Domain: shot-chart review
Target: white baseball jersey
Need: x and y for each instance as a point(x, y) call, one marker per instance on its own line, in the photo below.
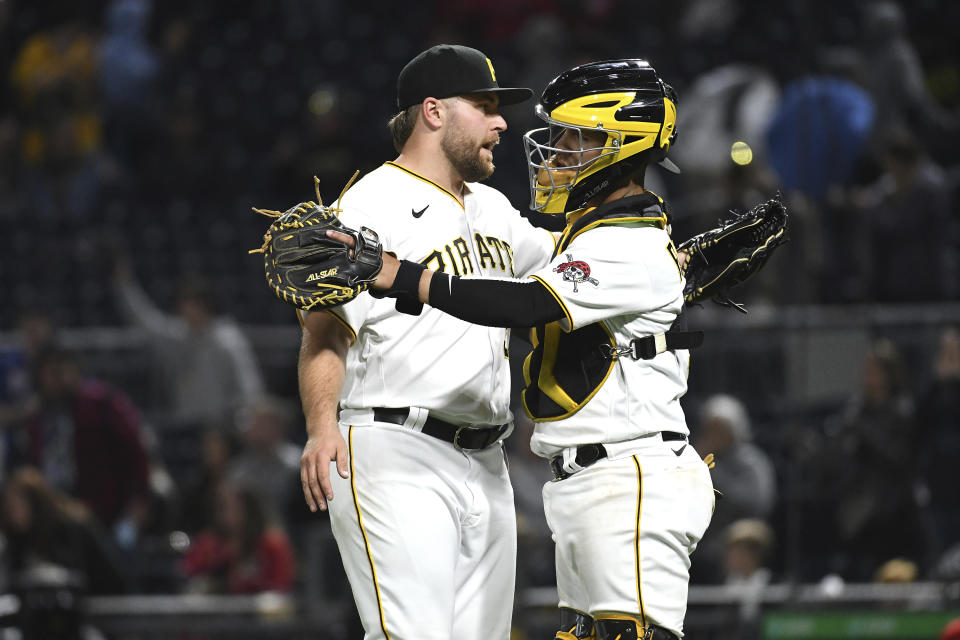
point(615, 282)
point(456, 370)
point(427, 533)
point(626, 525)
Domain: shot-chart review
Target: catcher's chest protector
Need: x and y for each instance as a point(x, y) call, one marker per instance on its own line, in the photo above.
point(565, 370)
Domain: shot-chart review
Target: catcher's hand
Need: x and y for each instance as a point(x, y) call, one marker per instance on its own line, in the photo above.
point(722, 258)
point(308, 269)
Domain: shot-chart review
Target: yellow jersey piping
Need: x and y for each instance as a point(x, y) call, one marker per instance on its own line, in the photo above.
point(428, 181)
point(353, 334)
point(636, 540)
point(556, 297)
point(366, 542)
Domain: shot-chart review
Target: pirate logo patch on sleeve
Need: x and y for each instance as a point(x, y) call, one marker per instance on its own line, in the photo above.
point(575, 271)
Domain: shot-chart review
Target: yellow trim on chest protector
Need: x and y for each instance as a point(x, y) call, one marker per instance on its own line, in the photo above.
point(659, 222)
point(546, 383)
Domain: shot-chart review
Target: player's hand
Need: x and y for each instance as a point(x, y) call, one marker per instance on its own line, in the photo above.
point(682, 258)
point(318, 453)
point(388, 272)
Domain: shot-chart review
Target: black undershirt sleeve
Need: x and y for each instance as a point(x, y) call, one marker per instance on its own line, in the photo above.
point(494, 303)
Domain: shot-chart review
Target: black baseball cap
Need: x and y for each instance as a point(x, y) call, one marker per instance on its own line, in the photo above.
point(447, 70)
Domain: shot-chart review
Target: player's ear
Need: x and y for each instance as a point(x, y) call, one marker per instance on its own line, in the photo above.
point(433, 112)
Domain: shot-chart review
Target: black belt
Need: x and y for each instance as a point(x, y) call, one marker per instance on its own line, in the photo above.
point(588, 454)
point(659, 633)
point(465, 438)
point(655, 632)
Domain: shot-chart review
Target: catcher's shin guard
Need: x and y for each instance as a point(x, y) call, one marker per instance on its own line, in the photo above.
point(575, 625)
point(623, 627)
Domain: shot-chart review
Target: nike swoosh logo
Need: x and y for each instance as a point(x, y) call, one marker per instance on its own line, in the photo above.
point(417, 214)
point(677, 452)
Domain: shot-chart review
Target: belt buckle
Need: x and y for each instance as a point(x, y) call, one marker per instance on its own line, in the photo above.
point(456, 437)
point(556, 467)
point(469, 427)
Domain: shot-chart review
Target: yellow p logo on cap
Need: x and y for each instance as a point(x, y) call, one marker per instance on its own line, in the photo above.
point(492, 74)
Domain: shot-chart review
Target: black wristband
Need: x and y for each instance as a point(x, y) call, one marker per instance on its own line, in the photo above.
point(405, 284)
point(407, 281)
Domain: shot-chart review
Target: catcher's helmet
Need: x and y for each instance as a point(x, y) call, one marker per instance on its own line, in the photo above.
point(626, 100)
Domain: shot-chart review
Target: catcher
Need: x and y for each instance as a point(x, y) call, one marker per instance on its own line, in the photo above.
point(630, 498)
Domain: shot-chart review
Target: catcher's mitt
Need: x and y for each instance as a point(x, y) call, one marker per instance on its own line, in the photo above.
point(307, 269)
point(722, 258)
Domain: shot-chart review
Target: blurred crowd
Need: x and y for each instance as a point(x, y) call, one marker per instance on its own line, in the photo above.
point(135, 136)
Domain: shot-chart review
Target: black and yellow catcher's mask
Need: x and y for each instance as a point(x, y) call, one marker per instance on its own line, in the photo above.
point(624, 100)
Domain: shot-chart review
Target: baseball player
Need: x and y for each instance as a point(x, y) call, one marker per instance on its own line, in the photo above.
point(631, 498)
point(422, 507)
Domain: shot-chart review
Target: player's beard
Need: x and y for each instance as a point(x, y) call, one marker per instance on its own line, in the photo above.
point(464, 155)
